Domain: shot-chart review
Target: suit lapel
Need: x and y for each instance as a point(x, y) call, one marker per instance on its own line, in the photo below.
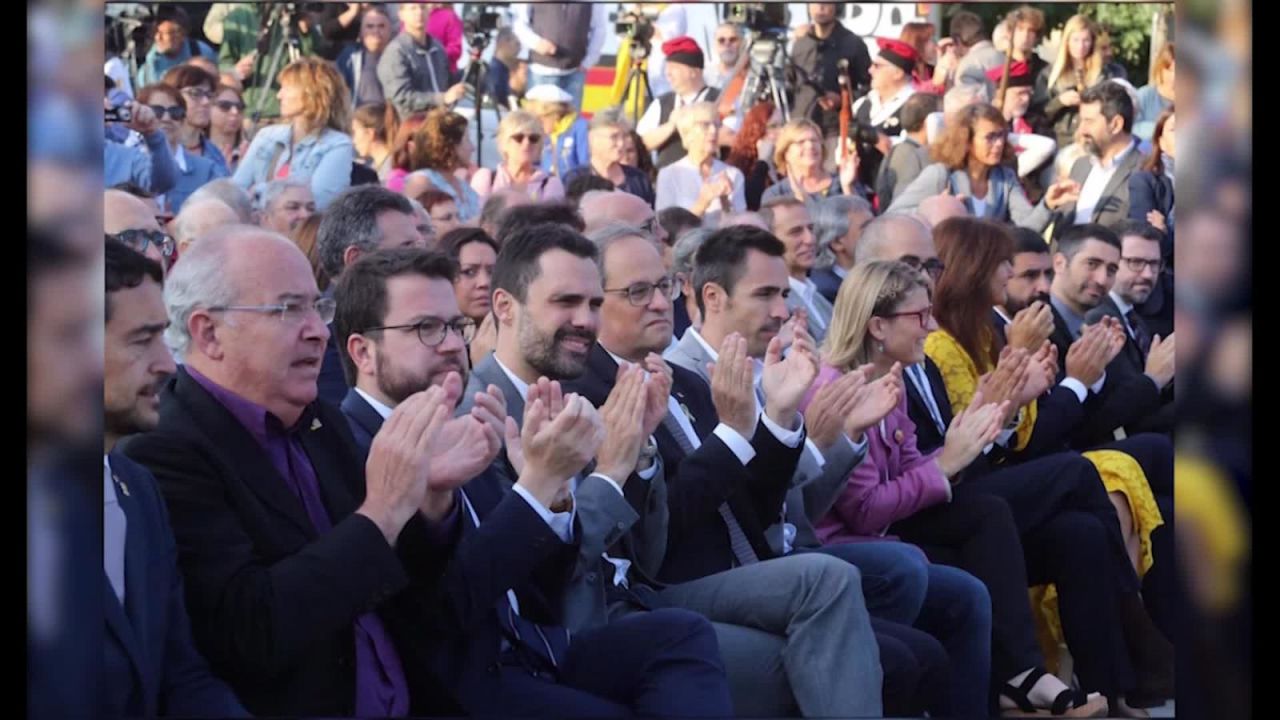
point(358, 409)
point(129, 622)
point(329, 468)
point(1119, 177)
point(120, 625)
point(490, 373)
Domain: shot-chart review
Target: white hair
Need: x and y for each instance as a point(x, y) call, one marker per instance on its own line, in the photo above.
point(609, 234)
point(686, 248)
point(265, 194)
point(226, 190)
point(193, 219)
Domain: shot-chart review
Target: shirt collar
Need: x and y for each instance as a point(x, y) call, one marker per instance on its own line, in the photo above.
point(383, 410)
point(261, 424)
point(1115, 161)
point(1121, 305)
point(804, 287)
point(1073, 320)
point(839, 271)
point(521, 386)
point(180, 157)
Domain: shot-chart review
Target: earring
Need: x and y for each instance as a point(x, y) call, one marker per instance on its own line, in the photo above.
point(880, 347)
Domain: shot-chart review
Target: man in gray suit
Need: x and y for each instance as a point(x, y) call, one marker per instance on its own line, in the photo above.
point(1106, 129)
point(789, 221)
point(781, 619)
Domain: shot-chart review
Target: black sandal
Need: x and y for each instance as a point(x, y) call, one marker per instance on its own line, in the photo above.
point(1068, 703)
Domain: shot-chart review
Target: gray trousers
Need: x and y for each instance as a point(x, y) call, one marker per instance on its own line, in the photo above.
point(794, 634)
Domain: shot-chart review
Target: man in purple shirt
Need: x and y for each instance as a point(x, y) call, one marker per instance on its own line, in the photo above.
point(317, 586)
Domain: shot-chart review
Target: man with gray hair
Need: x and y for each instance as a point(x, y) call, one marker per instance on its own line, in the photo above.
point(226, 190)
point(746, 217)
point(936, 208)
point(359, 220)
point(198, 217)
point(496, 204)
point(686, 312)
point(283, 205)
point(837, 226)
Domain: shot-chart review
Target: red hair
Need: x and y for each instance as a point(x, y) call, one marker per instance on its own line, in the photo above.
point(755, 125)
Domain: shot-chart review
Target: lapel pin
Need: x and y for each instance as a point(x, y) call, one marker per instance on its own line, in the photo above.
point(123, 487)
point(315, 424)
point(897, 436)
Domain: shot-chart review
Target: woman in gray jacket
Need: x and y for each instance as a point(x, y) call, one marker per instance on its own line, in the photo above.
point(975, 162)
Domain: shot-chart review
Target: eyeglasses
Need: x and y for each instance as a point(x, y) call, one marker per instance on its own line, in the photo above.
point(139, 240)
point(229, 105)
point(1137, 265)
point(292, 312)
point(432, 331)
point(727, 40)
point(922, 315)
point(177, 112)
point(533, 138)
point(197, 93)
point(933, 266)
point(641, 293)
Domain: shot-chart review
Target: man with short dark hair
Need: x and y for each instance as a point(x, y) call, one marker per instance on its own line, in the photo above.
point(789, 221)
point(1032, 272)
point(814, 71)
point(360, 220)
point(358, 62)
point(906, 159)
point(522, 217)
point(497, 204)
point(977, 53)
point(1106, 127)
point(414, 70)
point(145, 608)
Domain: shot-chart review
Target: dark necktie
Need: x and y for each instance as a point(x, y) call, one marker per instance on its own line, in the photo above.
point(1141, 335)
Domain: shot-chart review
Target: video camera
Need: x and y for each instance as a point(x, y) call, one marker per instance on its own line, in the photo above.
point(121, 114)
point(760, 18)
point(637, 28)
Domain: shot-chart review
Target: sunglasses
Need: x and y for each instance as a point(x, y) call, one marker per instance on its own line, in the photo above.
point(229, 105)
point(177, 112)
point(533, 138)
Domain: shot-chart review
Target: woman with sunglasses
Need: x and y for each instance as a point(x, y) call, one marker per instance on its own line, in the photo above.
point(196, 85)
point(170, 109)
point(520, 140)
point(226, 125)
point(882, 316)
point(974, 160)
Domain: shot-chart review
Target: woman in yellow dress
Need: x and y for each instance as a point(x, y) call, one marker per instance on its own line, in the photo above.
point(970, 354)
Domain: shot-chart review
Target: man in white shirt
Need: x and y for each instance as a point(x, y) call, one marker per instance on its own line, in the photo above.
point(1106, 124)
point(563, 39)
point(657, 127)
point(789, 221)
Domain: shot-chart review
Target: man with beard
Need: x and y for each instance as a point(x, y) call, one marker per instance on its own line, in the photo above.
point(283, 205)
point(729, 46)
point(1140, 268)
point(1106, 126)
point(1032, 273)
point(151, 662)
point(403, 333)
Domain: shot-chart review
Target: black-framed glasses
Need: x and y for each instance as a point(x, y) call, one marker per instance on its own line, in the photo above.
point(933, 266)
point(177, 112)
point(229, 105)
point(922, 315)
point(139, 240)
point(641, 293)
point(1137, 265)
point(289, 311)
point(432, 331)
point(198, 94)
point(533, 138)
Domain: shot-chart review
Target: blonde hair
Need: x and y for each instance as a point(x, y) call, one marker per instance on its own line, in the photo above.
point(326, 102)
point(1062, 61)
point(542, 107)
point(1164, 60)
point(517, 121)
point(872, 288)
point(689, 115)
point(790, 134)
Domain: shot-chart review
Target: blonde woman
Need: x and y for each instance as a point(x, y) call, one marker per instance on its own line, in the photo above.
point(1078, 66)
point(943, 498)
point(699, 181)
point(800, 157)
point(312, 143)
point(520, 142)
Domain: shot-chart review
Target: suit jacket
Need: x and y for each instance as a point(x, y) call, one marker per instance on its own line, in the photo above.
point(1136, 364)
point(821, 306)
point(1149, 191)
point(152, 666)
point(813, 488)
point(610, 522)
point(332, 383)
point(1112, 209)
point(273, 604)
point(680, 317)
point(827, 282)
point(1126, 398)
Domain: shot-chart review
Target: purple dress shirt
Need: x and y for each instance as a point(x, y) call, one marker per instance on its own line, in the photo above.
point(381, 688)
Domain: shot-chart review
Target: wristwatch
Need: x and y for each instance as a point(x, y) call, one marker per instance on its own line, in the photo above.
point(648, 453)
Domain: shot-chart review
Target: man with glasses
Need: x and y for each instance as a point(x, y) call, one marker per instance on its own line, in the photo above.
point(129, 220)
point(729, 46)
point(171, 46)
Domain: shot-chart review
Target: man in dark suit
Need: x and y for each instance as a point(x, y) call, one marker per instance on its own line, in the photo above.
point(1136, 278)
point(151, 666)
point(358, 221)
point(1106, 126)
point(315, 593)
point(837, 225)
point(547, 295)
point(402, 333)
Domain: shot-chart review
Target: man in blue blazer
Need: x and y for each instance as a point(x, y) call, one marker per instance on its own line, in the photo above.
point(403, 333)
point(151, 666)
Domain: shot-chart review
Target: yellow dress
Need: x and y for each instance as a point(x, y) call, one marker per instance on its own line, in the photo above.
point(1120, 473)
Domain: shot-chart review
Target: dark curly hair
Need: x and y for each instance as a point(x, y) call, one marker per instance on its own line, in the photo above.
point(435, 144)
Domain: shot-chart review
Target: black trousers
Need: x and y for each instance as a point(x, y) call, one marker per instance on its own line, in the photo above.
point(917, 672)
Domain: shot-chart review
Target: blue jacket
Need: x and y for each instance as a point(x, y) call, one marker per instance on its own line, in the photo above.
point(155, 65)
point(155, 171)
point(570, 151)
point(200, 170)
point(325, 159)
point(151, 664)
point(1149, 191)
point(351, 64)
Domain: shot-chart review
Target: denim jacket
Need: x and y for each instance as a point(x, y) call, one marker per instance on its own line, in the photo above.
point(325, 159)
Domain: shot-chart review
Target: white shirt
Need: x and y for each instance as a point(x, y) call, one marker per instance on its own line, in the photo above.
point(680, 182)
point(651, 118)
point(805, 289)
point(114, 531)
point(116, 69)
point(881, 111)
point(528, 38)
point(566, 518)
point(839, 271)
point(1099, 176)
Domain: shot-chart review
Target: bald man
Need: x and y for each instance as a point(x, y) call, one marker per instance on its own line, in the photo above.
point(603, 207)
point(132, 221)
point(937, 208)
point(198, 218)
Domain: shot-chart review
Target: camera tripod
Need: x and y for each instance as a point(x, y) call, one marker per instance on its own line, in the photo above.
point(280, 16)
point(637, 83)
point(764, 76)
point(477, 78)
